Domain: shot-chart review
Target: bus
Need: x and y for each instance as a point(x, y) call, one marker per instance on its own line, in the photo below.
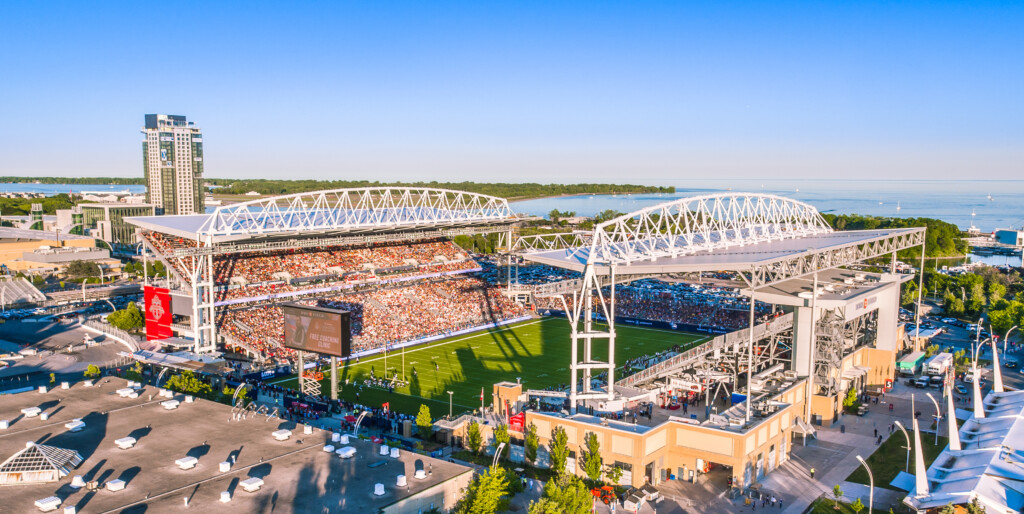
point(910, 364)
point(939, 364)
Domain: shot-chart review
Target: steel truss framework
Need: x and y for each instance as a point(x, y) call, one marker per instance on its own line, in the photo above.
point(297, 241)
point(702, 223)
point(359, 216)
point(687, 226)
point(725, 353)
point(372, 208)
point(836, 337)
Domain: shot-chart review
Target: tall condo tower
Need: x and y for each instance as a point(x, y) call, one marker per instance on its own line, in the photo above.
point(172, 158)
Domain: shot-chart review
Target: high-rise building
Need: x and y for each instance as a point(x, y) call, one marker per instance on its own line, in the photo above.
point(172, 157)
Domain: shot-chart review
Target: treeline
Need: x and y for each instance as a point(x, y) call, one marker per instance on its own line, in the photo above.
point(22, 206)
point(499, 189)
point(943, 239)
point(117, 181)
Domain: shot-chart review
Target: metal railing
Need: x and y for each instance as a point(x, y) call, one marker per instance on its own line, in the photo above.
point(129, 339)
point(723, 341)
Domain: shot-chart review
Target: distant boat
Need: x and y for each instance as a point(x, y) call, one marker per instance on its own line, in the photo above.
point(990, 198)
point(798, 190)
point(898, 206)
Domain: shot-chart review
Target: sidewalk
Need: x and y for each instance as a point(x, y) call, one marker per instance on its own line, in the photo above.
point(833, 454)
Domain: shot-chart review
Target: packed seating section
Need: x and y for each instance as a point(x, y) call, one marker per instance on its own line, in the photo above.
point(387, 316)
point(427, 305)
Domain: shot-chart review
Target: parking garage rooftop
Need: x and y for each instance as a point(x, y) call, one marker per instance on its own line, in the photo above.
point(298, 475)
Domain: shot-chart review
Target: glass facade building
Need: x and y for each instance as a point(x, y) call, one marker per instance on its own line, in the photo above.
point(172, 158)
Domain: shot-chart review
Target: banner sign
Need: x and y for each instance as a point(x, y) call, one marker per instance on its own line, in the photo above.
point(158, 313)
point(517, 423)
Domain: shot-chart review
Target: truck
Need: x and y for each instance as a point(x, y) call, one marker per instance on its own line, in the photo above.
point(910, 364)
point(940, 364)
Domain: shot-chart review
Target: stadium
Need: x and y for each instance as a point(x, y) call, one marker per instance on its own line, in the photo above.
point(701, 335)
point(384, 255)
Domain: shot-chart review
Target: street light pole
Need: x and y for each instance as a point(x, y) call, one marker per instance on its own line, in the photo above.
point(449, 405)
point(938, 416)
point(871, 479)
point(1007, 338)
point(905, 434)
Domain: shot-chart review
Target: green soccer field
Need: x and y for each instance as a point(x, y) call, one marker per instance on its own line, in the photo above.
point(536, 351)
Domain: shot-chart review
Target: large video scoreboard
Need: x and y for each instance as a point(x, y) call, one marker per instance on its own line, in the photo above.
point(317, 329)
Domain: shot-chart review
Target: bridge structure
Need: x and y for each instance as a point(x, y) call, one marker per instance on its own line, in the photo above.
point(776, 245)
point(338, 217)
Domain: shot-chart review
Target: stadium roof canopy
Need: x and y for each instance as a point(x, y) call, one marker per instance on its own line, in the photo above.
point(765, 237)
point(336, 212)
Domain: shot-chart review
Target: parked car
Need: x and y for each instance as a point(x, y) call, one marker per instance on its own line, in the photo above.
point(1010, 364)
point(963, 390)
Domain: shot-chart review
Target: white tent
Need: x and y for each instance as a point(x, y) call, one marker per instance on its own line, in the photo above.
point(990, 465)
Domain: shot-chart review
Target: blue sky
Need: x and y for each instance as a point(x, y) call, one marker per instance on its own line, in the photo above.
point(652, 92)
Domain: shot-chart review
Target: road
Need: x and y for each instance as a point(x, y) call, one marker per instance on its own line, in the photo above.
point(960, 338)
point(56, 337)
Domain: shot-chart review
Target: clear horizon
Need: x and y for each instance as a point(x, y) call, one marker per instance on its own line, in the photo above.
point(528, 92)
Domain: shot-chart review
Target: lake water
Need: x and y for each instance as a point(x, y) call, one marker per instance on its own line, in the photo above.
point(53, 189)
point(996, 204)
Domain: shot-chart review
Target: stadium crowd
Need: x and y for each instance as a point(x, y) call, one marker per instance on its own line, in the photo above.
point(330, 263)
point(256, 267)
point(693, 304)
point(385, 316)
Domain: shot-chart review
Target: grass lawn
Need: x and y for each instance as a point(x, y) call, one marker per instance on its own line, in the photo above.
point(824, 505)
point(537, 351)
point(891, 457)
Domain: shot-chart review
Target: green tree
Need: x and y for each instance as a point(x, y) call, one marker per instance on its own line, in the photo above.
point(129, 267)
point(81, 269)
point(931, 350)
point(614, 474)
point(129, 318)
point(473, 437)
point(975, 507)
point(948, 509)
point(837, 493)
point(593, 464)
point(424, 423)
point(92, 371)
point(134, 373)
point(186, 382)
point(857, 506)
point(53, 378)
point(850, 402)
point(559, 449)
point(954, 305)
point(532, 442)
point(501, 435)
point(566, 494)
point(485, 494)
